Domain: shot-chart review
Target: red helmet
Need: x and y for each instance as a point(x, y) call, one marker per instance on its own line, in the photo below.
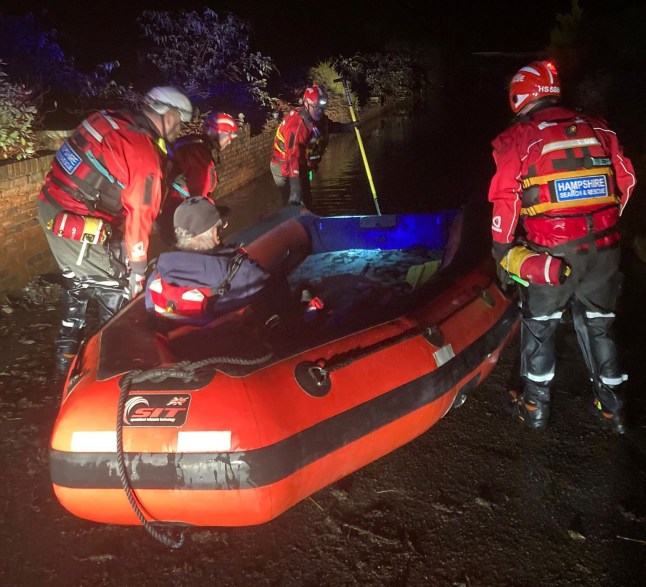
point(220, 122)
point(537, 80)
point(314, 96)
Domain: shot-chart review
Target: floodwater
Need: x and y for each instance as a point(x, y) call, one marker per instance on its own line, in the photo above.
point(421, 159)
point(477, 501)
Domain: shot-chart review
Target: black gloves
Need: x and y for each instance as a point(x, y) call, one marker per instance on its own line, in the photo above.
point(499, 250)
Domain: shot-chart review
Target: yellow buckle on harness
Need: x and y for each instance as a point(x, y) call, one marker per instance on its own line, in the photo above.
point(543, 179)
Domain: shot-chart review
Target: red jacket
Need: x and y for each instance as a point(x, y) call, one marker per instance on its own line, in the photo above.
point(562, 172)
point(112, 167)
point(193, 168)
point(300, 142)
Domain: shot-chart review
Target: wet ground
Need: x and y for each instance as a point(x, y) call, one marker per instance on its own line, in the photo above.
point(476, 501)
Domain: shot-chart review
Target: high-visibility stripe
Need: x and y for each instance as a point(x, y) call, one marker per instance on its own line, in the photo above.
point(544, 318)
point(111, 121)
point(95, 133)
point(599, 314)
point(570, 144)
point(540, 378)
point(614, 380)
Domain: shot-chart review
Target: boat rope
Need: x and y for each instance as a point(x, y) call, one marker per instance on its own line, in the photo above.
point(185, 370)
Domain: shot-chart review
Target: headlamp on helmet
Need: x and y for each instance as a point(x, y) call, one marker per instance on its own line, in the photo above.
point(314, 96)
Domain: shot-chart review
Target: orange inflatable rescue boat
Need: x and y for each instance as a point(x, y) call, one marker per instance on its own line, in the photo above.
point(233, 423)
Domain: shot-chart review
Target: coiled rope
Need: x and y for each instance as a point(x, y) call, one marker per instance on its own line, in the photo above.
point(185, 371)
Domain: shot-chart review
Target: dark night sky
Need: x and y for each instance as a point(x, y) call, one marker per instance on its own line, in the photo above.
point(301, 33)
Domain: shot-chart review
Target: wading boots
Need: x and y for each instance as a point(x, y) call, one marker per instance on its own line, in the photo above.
point(612, 420)
point(531, 413)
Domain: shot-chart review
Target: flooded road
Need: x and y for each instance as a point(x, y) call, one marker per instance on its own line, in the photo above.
point(422, 159)
point(476, 501)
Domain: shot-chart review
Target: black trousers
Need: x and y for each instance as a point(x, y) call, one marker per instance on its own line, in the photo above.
point(101, 275)
point(591, 291)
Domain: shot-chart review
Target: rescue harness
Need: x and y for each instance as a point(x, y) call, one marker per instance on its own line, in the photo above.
point(557, 183)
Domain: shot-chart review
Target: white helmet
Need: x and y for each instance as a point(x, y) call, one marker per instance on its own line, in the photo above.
point(162, 98)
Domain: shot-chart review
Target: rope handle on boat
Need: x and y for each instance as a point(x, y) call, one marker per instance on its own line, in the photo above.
point(184, 370)
point(347, 358)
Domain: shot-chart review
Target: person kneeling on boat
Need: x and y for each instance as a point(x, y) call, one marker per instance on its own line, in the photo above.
point(205, 278)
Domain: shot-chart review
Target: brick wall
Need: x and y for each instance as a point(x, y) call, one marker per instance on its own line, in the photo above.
point(23, 248)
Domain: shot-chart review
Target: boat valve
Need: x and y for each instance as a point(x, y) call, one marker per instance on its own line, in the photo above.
point(313, 378)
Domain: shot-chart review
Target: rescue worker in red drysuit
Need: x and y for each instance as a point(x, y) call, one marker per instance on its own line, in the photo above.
point(564, 175)
point(107, 178)
point(299, 145)
point(193, 171)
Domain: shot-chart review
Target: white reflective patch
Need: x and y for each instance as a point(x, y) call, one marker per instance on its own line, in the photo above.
point(555, 316)
point(211, 441)
point(546, 269)
point(95, 133)
point(558, 145)
point(614, 380)
point(94, 441)
point(540, 378)
point(111, 121)
point(545, 124)
point(529, 69)
point(443, 355)
point(156, 285)
point(193, 295)
point(599, 314)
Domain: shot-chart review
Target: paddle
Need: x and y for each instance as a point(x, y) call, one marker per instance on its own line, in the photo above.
point(356, 130)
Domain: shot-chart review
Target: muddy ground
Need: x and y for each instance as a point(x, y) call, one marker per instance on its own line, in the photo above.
point(476, 501)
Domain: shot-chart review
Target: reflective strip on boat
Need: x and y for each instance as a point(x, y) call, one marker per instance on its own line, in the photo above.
point(443, 355)
point(104, 441)
point(207, 441)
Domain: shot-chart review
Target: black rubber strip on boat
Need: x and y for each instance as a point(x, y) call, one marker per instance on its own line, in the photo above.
point(270, 464)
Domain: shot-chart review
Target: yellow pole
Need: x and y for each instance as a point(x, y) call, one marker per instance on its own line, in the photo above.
point(363, 151)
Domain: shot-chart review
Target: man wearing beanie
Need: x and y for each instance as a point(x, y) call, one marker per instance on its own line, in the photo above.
point(204, 278)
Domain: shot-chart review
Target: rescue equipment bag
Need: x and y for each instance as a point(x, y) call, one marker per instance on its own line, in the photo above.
point(195, 288)
point(87, 229)
point(533, 267)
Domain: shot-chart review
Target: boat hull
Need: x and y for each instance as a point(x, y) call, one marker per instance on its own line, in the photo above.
point(238, 445)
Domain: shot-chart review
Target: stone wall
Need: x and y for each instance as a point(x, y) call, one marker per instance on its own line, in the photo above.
point(24, 253)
